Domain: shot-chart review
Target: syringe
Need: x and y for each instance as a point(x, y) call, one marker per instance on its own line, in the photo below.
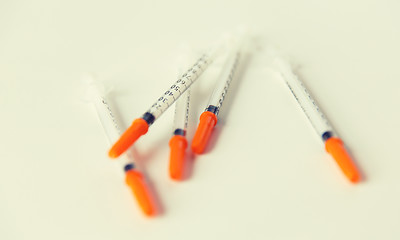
point(178, 142)
point(333, 144)
point(141, 125)
point(133, 176)
point(209, 118)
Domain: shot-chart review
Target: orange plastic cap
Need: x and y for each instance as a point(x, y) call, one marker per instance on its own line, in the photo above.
point(207, 122)
point(335, 147)
point(136, 182)
point(138, 128)
point(178, 145)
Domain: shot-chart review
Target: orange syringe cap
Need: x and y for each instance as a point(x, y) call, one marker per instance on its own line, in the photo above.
point(138, 128)
point(335, 147)
point(207, 122)
point(178, 145)
point(137, 184)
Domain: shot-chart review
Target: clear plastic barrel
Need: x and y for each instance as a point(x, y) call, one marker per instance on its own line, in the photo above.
point(181, 117)
point(307, 103)
point(107, 118)
point(183, 83)
point(224, 80)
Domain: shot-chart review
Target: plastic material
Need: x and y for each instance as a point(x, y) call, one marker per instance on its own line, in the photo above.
point(138, 128)
point(207, 122)
point(109, 121)
point(135, 181)
point(335, 147)
point(178, 145)
point(303, 97)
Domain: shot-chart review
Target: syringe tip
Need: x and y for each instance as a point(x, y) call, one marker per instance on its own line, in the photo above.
point(136, 182)
point(335, 147)
point(138, 128)
point(207, 122)
point(178, 146)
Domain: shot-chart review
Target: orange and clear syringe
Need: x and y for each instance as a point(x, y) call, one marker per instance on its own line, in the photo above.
point(133, 176)
point(333, 144)
point(209, 118)
point(178, 142)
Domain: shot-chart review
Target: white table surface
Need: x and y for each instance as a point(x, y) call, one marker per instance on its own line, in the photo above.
point(266, 175)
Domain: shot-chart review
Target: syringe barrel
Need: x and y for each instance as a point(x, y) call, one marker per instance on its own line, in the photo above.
point(306, 101)
point(180, 86)
point(223, 82)
point(105, 114)
point(109, 121)
point(181, 117)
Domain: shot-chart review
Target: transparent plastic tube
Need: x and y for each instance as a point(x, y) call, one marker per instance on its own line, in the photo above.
point(307, 103)
point(180, 86)
point(181, 116)
point(225, 78)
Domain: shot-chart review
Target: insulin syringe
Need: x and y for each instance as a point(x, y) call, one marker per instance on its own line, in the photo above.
point(133, 176)
point(178, 142)
point(333, 144)
point(209, 118)
point(141, 125)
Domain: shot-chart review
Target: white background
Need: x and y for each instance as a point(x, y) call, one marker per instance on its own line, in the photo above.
point(266, 175)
